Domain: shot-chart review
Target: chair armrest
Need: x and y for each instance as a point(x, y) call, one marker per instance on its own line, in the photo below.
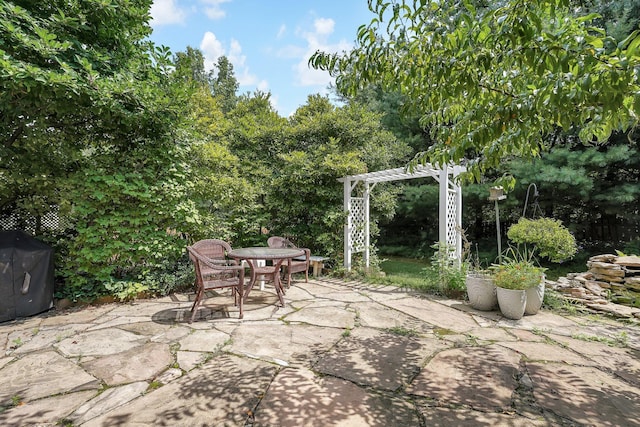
point(305, 257)
point(216, 264)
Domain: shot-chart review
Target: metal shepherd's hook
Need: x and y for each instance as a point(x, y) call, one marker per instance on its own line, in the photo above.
point(535, 199)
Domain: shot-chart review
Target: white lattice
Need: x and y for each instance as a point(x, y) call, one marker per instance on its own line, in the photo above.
point(452, 218)
point(358, 220)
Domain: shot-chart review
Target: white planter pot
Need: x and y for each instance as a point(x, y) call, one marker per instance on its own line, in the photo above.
point(481, 292)
point(535, 296)
point(512, 302)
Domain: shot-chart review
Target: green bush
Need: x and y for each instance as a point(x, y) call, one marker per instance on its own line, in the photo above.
point(547, 236)
point(632, 247)
point(445, 270)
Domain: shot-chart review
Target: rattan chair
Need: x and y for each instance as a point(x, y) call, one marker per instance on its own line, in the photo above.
point(292, 266)
point(215, 271)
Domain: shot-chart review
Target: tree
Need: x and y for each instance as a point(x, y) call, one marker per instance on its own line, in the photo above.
point(323, 143)
point(491, 83)
point(224, 84)
point(593, 190)
point(90, 129)
point(190, 66)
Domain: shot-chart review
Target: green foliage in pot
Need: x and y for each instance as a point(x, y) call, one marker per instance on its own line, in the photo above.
point(517, 275)
point(517, 272)
point(547, 236)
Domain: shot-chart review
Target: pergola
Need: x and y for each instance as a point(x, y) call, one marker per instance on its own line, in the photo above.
point(356, 228)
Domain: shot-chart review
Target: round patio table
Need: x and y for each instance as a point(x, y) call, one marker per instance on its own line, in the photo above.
point(256, 254)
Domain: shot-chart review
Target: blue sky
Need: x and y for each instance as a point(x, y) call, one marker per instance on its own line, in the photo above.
point(267, 41)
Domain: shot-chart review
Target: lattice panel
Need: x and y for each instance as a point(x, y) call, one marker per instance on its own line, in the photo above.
point(452, 216)
point(51, 222)
point(357, 236)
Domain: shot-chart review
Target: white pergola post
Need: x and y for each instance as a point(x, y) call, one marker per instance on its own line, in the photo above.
point(367, 236)
point(348, 224)
point(356, 228)
point(443, 225)
point(457, 170)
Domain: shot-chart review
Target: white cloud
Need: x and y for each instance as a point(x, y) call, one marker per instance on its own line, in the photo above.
point(213, 8)
point(235, 54)
point(281, 31)
point(263, 86)
point(212, 49)
point(317, 40)
point(324, 25)
point(165, 12)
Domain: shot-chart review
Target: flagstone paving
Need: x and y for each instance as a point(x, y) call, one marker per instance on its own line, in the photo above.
point(338, 354)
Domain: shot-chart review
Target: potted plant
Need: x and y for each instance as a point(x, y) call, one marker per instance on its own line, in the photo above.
point(513, 277)
point(546, 238)
point(481, 290)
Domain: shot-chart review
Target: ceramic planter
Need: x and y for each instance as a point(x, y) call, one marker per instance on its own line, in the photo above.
point(535, 296)
point(512, 302)
point(481, 292)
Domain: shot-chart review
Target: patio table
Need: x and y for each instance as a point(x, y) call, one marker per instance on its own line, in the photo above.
point(255, 254)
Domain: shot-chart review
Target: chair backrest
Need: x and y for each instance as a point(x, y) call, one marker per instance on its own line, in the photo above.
point(214, 249)
point(279, 242)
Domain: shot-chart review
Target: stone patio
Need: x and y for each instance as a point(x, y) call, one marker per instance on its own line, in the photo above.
point(339, 354)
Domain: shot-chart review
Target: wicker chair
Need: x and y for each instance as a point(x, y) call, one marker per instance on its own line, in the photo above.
point(215, 271)
point(292, 266)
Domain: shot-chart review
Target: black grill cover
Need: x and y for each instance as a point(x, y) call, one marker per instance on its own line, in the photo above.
point(26, 275)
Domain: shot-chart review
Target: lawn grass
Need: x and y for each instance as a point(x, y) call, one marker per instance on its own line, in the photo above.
point(406, 272)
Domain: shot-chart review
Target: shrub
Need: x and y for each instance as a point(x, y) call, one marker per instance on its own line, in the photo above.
point(446, 270)
point(547, 236)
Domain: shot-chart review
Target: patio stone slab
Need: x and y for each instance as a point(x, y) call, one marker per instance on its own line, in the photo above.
point(187, 360)
point(435, 314)
point(585, 395)
point(107, 401)
point(150, 329)
point(491, 334)
point(208, 340)
point(376, 315)
point(447, 417)
point(45, 338)
point(334, 315)
point(141, 363)
point(478, 377)
point(540, 351)
point(86, 314)
point(376, 358)
point(99, 343)
point(292, 343)
point(544, 321)
point(298, 398)
point(224, 391)
point(624, 362)
point(40, 375)
point(141, 309)
point(111, 321)
point(45, 412)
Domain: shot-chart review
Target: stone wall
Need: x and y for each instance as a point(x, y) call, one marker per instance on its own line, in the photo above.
point(609, 279)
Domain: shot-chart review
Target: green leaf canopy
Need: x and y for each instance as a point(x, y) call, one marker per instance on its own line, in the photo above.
point(492, 82)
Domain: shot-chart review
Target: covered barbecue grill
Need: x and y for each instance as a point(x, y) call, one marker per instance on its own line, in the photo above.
point(26, 275)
